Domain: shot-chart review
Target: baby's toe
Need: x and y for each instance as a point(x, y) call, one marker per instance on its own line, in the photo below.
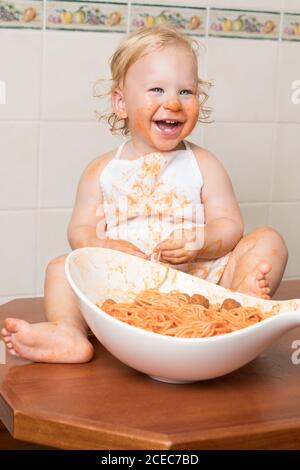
point(263, 283)
point(266, 290)
point(13, 352)
point(266, 297)
point(7, 339)
point(265, 268)
point(11, 325)
point(260, 276)
point(4, 332)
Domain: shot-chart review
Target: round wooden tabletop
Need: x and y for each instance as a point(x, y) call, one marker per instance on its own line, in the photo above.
point(106, 405)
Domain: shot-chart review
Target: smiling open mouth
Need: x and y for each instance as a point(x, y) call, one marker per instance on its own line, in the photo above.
point(168, 126)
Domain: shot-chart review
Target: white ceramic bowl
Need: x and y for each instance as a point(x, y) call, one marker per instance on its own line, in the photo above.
point(97, 274)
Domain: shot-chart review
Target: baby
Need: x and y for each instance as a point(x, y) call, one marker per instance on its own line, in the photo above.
point(157, 195)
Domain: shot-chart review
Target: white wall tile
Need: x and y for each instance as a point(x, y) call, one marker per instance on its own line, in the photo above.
point(286, 181)
point(246, 152)
point(17, 253)
point(192, 3)
point(289, 72)
point(264, 5)
point(73, 61)
point(292, 6)
point(245, 96)
point(21, 55)
point(243, 73)
point(286, 219)
point(18, 164)
point(196, 136)
point(52, 240)
point(66, 150)
point(255, 216)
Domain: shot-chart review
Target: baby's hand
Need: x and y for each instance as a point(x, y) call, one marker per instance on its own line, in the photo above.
point(125, 246)
point(182, 246)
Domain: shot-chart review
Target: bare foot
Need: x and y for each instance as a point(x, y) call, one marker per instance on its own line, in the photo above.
point(46, 342)
point(255, 283)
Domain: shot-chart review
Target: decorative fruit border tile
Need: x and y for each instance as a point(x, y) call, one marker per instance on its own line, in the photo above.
point(87, 16)
point(246, 24)
point(291, 27)
point(21, 14)
point(190, 20)
point(93, 15)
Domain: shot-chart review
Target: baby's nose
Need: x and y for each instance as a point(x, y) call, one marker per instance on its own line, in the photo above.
point(173, 104)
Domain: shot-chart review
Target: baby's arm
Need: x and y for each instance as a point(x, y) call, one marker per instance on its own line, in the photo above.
point(87, 225)
point(223, 219)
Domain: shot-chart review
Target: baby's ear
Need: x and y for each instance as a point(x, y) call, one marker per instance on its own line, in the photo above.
point(118, 103)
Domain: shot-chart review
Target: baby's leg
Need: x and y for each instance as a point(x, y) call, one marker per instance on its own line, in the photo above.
point(63, 338)
point(257, 263)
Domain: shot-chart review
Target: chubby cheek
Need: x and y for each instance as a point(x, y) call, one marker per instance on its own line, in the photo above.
point(192, 113)
point(143, 117)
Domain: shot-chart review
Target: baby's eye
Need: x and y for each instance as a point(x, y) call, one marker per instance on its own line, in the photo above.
point(157, 89)
point(186, 92)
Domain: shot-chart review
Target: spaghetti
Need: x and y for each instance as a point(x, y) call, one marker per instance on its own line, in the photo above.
point(178, 314)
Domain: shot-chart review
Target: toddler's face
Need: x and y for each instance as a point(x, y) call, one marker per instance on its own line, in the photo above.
point(160, 86)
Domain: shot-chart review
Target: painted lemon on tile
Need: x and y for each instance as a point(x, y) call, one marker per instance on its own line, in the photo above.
point(29, 15)
point(194, 22)
point(66, 17)
point(149, 21)
point(79, 16)
point(227, 26)
point(268, 26)
point(114, 18)
point(297, 29)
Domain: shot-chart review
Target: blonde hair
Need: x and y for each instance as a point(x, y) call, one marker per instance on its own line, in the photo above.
point(134, 46)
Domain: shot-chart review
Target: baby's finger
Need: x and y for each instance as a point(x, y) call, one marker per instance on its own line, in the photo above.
point(169, 245)
point(179, 253)
point(175, 260)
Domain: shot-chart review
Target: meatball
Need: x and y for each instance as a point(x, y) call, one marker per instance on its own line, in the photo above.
point(199, 300)
point(228, 304)
point(107, 303)
point(187, 298)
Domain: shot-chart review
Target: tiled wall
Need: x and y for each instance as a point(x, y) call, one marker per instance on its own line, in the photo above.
point(51, 52)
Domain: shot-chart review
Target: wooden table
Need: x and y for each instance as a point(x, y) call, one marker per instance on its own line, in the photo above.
point(106, 405)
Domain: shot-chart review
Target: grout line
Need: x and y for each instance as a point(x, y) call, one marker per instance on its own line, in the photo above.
point(276, 116)
point(39, 164)
point(207, 19)
point(128, 16)
point(36, 209)
point(281, 22)
point(44, 15)
point(290, 278)
point(88, 122)
point(272, 203)
point(65, 209)
point(203, 45)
